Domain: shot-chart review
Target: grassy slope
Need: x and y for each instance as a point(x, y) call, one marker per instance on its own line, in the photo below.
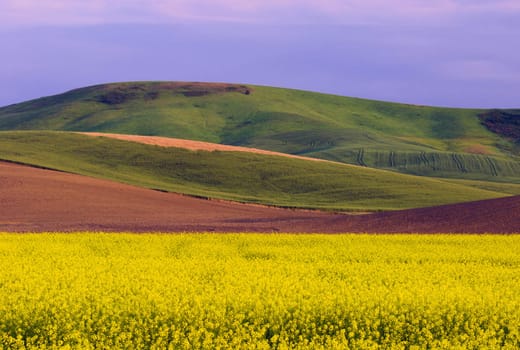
point(412, 139)
point(506, 188)
point(233, 175)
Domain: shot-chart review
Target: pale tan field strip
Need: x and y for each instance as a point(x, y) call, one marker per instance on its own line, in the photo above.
point(195, 145)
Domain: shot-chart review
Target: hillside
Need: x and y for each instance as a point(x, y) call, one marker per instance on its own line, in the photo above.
point(239, 176)
point(500, 187)
point(440, 142)
point(193, 145)
point(38, 200)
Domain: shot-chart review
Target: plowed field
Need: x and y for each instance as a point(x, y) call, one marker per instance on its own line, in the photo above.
point(40, 200)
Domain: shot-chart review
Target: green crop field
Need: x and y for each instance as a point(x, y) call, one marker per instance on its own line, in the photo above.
point(245, 177)
point(432, 141)
point(237, 291)
point(439, 164)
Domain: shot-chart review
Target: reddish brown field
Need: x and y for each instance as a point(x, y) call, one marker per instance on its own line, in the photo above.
point(40, 200)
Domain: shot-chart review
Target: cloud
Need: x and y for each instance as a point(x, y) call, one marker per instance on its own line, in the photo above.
point(479, 70)
point(74, 12)
point(22, 13)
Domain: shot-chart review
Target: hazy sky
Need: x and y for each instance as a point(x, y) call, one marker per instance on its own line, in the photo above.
point(439, 52)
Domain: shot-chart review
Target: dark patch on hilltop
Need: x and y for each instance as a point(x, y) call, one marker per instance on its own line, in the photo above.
point(115, 94)
point(502, 122)
point(116, 97)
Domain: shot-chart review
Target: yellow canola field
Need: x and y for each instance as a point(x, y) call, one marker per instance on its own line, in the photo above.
point(242, 291)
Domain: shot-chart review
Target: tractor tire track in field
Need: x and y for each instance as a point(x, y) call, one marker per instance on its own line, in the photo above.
point(392, 159)
point(360, 156)
point(459, 163)
point(424, 159)
point(492, 166)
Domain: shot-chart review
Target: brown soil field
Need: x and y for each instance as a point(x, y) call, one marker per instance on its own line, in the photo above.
point(39, 200)
point(193, 145)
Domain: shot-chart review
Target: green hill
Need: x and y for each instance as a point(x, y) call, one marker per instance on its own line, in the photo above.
point(240, 176)
point(440, 142)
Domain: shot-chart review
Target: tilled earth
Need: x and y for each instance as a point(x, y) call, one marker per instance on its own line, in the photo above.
point(39, 200)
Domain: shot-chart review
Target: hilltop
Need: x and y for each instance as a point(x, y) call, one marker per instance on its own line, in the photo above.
point(421, 140)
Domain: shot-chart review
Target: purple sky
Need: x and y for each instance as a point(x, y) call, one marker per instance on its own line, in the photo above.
point(461, 53)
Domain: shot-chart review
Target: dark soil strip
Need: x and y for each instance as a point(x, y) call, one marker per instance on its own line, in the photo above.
point(40, 200)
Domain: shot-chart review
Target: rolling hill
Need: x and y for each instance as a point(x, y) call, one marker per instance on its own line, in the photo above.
point(38, 200)
point(238, 176)
point(440, 142)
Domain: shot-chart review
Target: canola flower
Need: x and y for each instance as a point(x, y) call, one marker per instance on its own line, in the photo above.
point(242, 291)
